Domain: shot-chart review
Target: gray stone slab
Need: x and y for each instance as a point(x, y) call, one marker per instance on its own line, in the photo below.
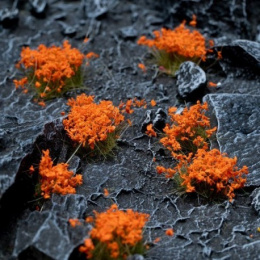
point(49, 231)
point(238, 134)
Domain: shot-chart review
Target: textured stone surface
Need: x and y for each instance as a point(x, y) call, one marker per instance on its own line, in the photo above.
point(18, 130)
point(191, 80)
point(238, 133)
point(241, 58)
point(256, 200)
point(202, 229)
point(49, 231)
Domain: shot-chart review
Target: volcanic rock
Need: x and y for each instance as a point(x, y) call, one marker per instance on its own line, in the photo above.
point(191, 80)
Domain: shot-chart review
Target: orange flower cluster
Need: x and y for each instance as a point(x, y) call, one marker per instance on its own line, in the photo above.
point(88, 122)
point(56, 179)
point(210, 172)
point(181, 41)
point(116, 234)
point(189, 131)
point(130, 103)
point(51, 70)
point(199, 170)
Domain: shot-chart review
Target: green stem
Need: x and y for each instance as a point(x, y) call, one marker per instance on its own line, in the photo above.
point(74, 153)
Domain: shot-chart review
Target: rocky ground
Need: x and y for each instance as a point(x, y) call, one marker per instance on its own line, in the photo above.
point(203, 230)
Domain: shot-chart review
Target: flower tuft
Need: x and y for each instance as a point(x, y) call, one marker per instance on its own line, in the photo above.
point(56, 179)
point(116, 234)
point(172, 47)
point(51, 71)
point(92, 124)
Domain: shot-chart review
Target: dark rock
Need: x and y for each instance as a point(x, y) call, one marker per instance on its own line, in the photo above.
point(9, 18)
point(256, 200)
point(240, 57)
point(39, 8)
point(203, 229)
point(147, 120)
point(238, 118)
point(128, 32)
point(159, 121)
point(249, 50)
point(69, 31)
point(258, 34)
point(49, 231)
point(191, 80)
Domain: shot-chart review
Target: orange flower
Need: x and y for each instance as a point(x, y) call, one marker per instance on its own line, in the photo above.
point(169, 232)
point(219, 55)
point(89, 219)
point(153, 103)
point(115, 232)
point(212, 84)
point(86, 40)
point(106, 192)
point(37, 84)
point(89, 123)
point(211, 43)
point(87, 248)
point(150, 131)
point(129, 122)
point(142, 67)
point(156, 240)
point(139, 103)
point(20, 83)
point(74, 222)
point(128, 105)
point(56, 179)
point(42, 103)
point(194, 21)
point(91, 55)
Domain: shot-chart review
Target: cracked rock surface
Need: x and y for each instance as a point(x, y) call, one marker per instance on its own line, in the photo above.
point(203, 229)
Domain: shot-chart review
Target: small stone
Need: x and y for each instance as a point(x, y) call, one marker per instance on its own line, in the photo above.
point(147, 121)
point(9, 18)
point(68, 30)
point(159, 121)
point(39, 8)
point(191, 80)
point(128, 32)
point(256, 200)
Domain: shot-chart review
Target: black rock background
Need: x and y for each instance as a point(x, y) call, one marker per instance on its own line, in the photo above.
point(203, 230)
